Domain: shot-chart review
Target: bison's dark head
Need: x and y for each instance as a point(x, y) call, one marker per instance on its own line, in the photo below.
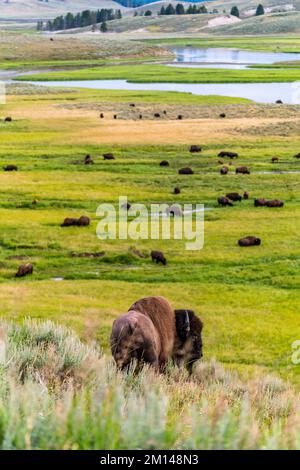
point(189, 332)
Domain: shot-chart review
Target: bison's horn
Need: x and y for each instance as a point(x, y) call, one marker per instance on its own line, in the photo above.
point(187, 322)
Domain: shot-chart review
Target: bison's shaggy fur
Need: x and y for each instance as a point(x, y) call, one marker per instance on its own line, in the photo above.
point(145, 334)
point(249, 241)
point(188, 342)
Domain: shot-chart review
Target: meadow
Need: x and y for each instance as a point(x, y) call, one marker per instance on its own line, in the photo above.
point(247, 298)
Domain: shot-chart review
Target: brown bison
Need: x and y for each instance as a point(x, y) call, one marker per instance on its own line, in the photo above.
point(260, 202)
point(174, 211)
point(225, 153)
point(24, 270)
point(71, 221)
point(185, 171)
point(234, 197)
point(246, 195)
point(180, 117)
point(140, 116)
point(108, 156)
point(156, 115)
point(177, 190)
point(224, 201)
point(224, 170)
point(126, 206)
point(158, 257)
point(274, 159)
point(88, 160)
point(188, 341)
point(195, 149)
point(115, 116)
point(274, 203)
point(8, 119)
point(249, 241)
point(145, 334)
point(278, 101)
point(243, 170)
point(164, 163)
point(297, 155)
point(11, 168)
point(132, 105)
point(101, 115)
point(222, 115)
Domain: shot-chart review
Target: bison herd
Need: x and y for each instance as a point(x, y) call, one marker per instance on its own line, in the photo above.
point(152, 332)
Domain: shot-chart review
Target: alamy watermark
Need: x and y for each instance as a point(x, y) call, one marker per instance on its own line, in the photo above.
point(161, 222)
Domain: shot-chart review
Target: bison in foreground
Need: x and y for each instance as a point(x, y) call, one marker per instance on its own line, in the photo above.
point(158, 257)
point(145, 334)
point(249, 241)
point(24, 270)
point(188, 342)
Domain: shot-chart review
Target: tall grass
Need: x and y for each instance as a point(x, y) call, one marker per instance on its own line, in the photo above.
point(58, 393)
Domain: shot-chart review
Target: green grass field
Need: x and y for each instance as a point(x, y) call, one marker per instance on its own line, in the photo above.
point(247, 298)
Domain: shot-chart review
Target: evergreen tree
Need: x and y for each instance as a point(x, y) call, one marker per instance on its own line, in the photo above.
point(162, 11)
point(170, 10)
point(179, 9)
point(148, 13)
point(103, 27)
point(235, 11)
point(260, 10)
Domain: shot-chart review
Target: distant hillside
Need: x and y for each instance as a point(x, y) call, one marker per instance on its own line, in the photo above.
point(277, 23)
point(139, 3)
point(41, 9)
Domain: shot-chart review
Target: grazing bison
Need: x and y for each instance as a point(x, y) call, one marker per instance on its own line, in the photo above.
point(224, 170)
point(195, 148)
point(180, 117)
point(115, 116)
point(8, 119)
point(224, 201)
point(274, 203)
point(275, 160)
point(225, 153)
point(24, 270)
point(71, 221)
point(177, 190)
point(140, 116)
point(174, 210)
point(158, 257)
point(185, 171)
point(164, 163)
point(297, 155)
point(101, 115)
point(234, 196)
point(243, 170)
point(145, 334)
point(278, 102)
point(246, 195)
point(11, 168)
point(156, 115)
point(83, 221)
point(108, 156)
point(188, 341)
point(88, 160)
point(260, 202)
point(249, 241)
point(164, 112)
point(222, 115)
point(132, 105)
